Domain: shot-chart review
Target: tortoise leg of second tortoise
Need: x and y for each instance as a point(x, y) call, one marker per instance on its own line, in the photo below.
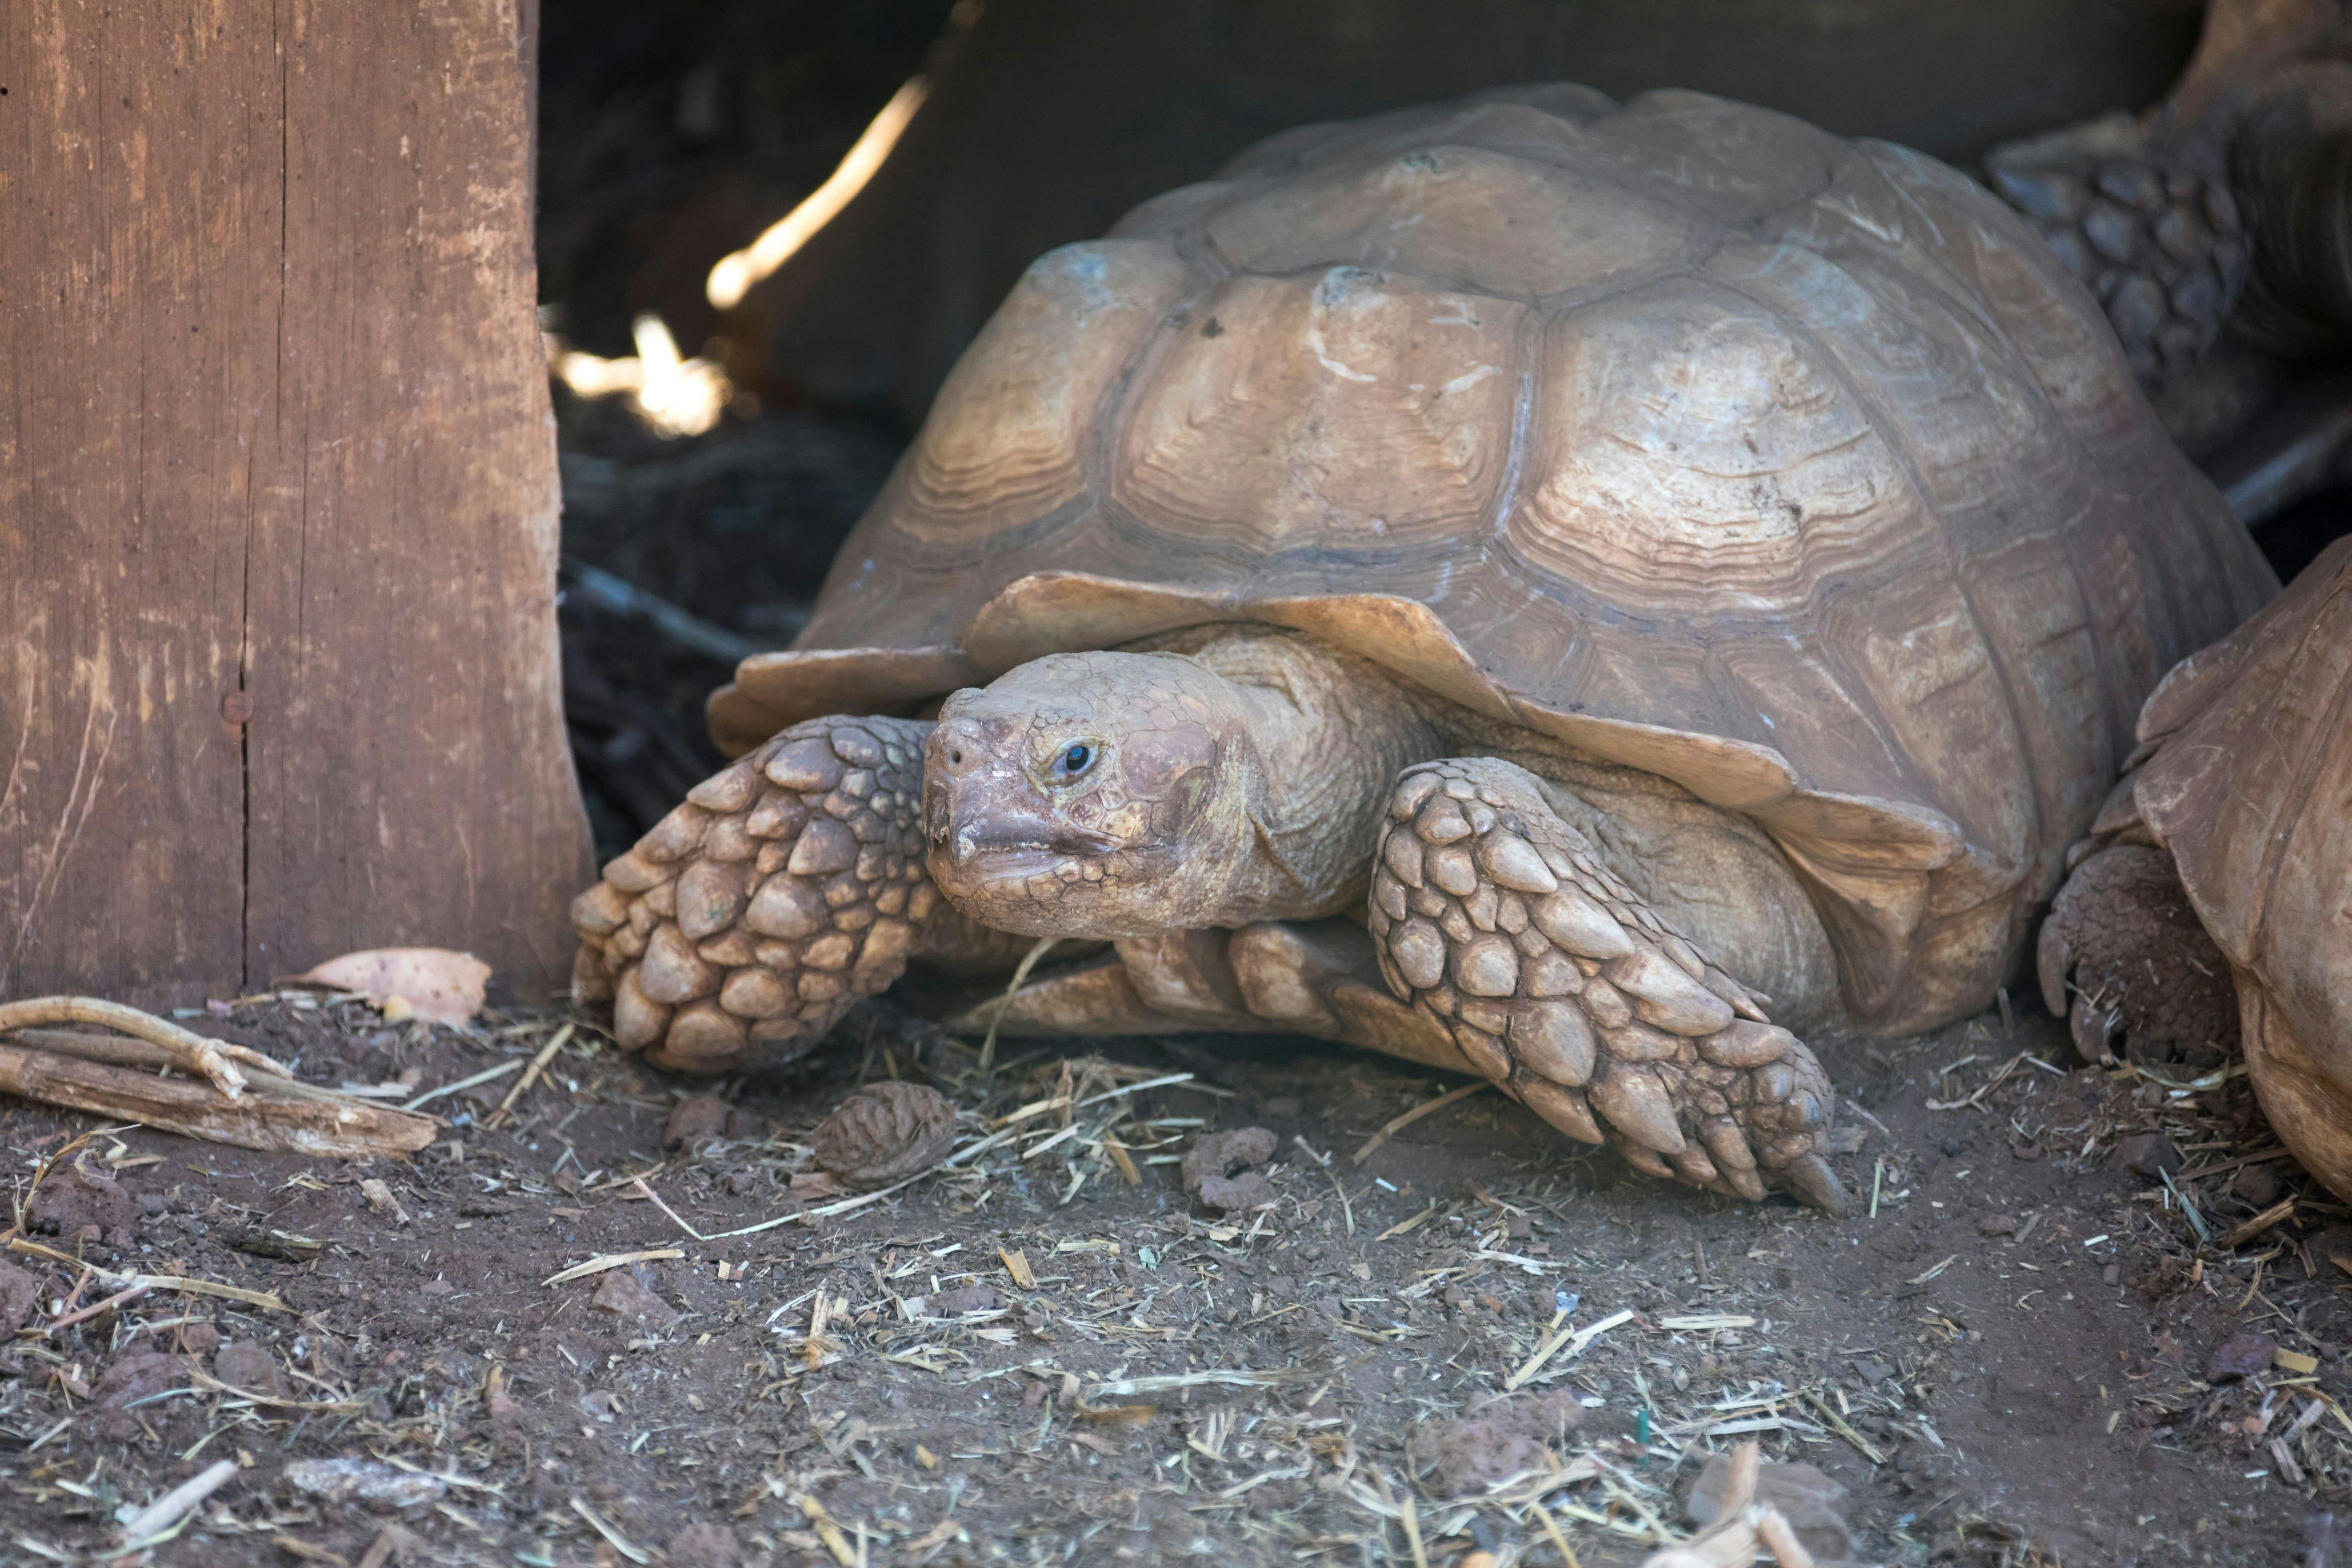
point(2122, 953)
point(789, 887)
point(1503, 924)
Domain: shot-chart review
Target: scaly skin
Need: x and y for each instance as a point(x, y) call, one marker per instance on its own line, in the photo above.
point(1557, 982)
point(787, 888)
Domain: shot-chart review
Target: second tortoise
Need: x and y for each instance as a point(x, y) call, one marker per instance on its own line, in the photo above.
point(1569, 592)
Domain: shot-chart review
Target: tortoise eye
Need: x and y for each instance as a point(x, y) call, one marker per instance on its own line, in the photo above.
point(1074, 760)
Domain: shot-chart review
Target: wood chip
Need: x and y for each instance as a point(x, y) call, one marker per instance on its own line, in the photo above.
point(620, 1542)
point(1130, 1387)
point(1116, 1415)
point(1402, 1227)
point(1016, 1264)
point(612, 1260)
point(555, 1043)
point(485, 1076)
point(2240, 1235)
point(176, 1504)
point(1923, 1278)
point(1575, 1341)
point(181, 1283)
point(2294, 1362)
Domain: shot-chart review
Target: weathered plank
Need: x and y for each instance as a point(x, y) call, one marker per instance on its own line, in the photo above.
point(278, 498)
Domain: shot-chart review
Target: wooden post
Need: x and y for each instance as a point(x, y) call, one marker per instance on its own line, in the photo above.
point(279, 673)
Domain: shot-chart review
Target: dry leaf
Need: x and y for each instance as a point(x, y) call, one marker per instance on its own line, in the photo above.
point(429, 983)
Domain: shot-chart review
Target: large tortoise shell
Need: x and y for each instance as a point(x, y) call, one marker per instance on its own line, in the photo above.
point(1791, 468)
point(2250, 788)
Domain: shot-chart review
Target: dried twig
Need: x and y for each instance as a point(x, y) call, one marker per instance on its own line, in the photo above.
point(1004, 1004)
point(176, 1504)
point(611, 1260)
point(214, 1061)
point(338, 1126)
point(529, 1074)
point(1408, 1118)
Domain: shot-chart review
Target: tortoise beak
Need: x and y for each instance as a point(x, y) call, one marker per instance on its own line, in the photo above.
point(978, 807)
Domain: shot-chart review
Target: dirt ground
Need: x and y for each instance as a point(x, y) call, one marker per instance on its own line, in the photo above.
point(1048, 1353)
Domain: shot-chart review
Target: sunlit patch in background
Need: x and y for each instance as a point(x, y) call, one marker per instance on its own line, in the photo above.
point(674, 395)
point(737, 273)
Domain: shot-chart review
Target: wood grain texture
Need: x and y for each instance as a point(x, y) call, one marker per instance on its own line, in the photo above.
point(1794, 470)
point(278, 499)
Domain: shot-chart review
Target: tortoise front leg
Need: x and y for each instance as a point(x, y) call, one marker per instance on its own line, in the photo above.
point(1499, 919)
point(788, 888)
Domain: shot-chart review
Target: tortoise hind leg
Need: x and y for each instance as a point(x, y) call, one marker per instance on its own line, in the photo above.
point(2122, 938)
point(788, 888)
point(1496, 919)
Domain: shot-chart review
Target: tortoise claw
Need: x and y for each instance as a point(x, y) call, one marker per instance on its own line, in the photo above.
point(1809, 1177)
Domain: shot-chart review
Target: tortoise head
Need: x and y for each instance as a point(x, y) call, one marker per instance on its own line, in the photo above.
point(1092, 794)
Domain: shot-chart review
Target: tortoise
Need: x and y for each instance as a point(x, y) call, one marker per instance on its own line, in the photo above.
point(2211, 904)
point(1568, 592)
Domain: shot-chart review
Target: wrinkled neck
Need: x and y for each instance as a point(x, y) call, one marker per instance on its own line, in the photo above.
point(1331, 732)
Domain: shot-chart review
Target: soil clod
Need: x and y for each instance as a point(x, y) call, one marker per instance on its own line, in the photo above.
point(75, 1204)
point(1211, 1166)
point(2240, 1356)
point(695, 1120)
point(1493, 1439)
point(2148, 1154)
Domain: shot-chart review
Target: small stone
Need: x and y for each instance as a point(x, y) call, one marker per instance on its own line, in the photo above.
point(251, 1367)
point(695, 1120)
point(704, 1545)
point(2258, 1185)
point(200, 1338)
point(1997, 1225)
point(966, 1299)
point(19, 1294)
point(2148, 1154)
point(627, 1298)
point(2240, 1356)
